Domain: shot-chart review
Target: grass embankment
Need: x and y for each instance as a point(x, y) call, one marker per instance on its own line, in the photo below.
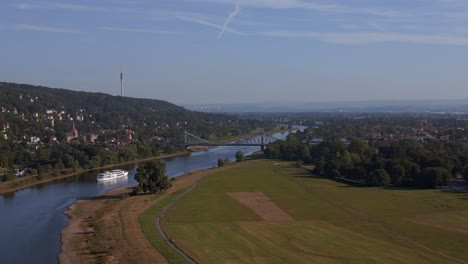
point(333, 222)
point(147, 223)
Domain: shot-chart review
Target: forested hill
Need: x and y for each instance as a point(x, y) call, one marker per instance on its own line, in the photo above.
point(93, 102)
point(59, 109)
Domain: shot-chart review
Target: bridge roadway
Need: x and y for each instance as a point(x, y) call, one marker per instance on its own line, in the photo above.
point(225, 144)
point(190, 140)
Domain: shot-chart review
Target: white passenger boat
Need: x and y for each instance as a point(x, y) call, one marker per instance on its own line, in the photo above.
point(111, 175)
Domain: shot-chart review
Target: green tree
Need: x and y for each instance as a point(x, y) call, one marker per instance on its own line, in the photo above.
point(151, 178)
point(320, 166)
point(397, 174)
point(378, 177)
point(465, 172)
point(358, 146)
point(239, 156)
point(220, 162)
point(306, 157)
point(433, 177)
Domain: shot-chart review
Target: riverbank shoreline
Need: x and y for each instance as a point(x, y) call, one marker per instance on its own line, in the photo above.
point(119, 214)
point(79, 229)
point(21, 186)
point(25, 186)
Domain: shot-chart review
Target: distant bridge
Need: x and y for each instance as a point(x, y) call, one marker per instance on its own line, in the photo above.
point(187, 140)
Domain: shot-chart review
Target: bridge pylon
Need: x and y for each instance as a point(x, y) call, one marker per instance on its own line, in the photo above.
point(262, 147)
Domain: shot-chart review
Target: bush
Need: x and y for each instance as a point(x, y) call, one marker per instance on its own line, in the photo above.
point(239, 156)
point(8, 176)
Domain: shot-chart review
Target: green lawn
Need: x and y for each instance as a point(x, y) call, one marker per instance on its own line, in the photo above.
point(147, 223)
point(334, 222)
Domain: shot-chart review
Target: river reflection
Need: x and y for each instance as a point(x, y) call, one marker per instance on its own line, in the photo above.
point(31, 219)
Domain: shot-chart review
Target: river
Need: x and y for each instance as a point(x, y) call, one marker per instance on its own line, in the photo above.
point(31, 219)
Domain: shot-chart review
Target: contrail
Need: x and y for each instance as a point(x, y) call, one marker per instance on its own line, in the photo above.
point(229, 18)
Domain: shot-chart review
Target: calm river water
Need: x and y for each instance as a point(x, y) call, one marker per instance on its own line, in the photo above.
point(31, 219)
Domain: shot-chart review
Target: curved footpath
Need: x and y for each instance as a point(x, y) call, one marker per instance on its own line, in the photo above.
point(120, 238)
point(167, 207)
point(161, 231)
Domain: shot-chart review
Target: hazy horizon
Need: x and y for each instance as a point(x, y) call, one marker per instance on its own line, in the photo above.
point(245, 51)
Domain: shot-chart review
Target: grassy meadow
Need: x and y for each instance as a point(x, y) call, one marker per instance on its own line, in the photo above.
point(148, 225)
point(333, 222)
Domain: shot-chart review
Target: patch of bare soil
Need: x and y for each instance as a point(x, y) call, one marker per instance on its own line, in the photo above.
point(261, 205)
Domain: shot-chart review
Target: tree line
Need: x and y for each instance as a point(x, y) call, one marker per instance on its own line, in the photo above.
point(398, 163)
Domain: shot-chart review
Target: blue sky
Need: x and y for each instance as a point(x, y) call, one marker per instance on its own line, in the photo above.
point(226, 51)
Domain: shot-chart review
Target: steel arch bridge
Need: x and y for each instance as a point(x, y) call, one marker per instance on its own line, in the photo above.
point(187, 140)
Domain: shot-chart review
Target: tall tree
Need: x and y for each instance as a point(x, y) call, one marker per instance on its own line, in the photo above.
point(151, 178)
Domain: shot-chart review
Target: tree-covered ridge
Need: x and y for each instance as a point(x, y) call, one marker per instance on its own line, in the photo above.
point(93, 112)
point(57, 109)
point(55, 130)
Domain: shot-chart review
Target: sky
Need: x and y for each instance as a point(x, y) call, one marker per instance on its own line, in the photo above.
point(244, 51)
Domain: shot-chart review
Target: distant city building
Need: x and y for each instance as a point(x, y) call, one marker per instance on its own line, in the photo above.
point(90, 138)
point(445, 138)
point(129, 134)
point(72, 134)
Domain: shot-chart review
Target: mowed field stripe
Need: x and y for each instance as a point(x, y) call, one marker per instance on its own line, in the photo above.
point(261, 205)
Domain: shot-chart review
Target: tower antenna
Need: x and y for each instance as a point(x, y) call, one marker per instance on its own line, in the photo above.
point(121, 80)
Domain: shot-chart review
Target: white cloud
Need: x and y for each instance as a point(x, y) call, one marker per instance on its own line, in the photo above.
point(206, 23)
point(24, 6)
point(229, 18)
point(137, 30)
point(29, 27)
point(370, 37)
point(67, 6)
point(311, 5)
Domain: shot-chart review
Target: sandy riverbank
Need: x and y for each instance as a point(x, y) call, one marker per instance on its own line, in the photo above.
point(120, 238)
point(10, 186)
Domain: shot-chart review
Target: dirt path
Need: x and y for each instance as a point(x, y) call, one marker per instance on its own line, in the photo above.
point(120, 238)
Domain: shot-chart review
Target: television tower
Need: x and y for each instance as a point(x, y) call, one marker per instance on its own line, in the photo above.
point(121, 80)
